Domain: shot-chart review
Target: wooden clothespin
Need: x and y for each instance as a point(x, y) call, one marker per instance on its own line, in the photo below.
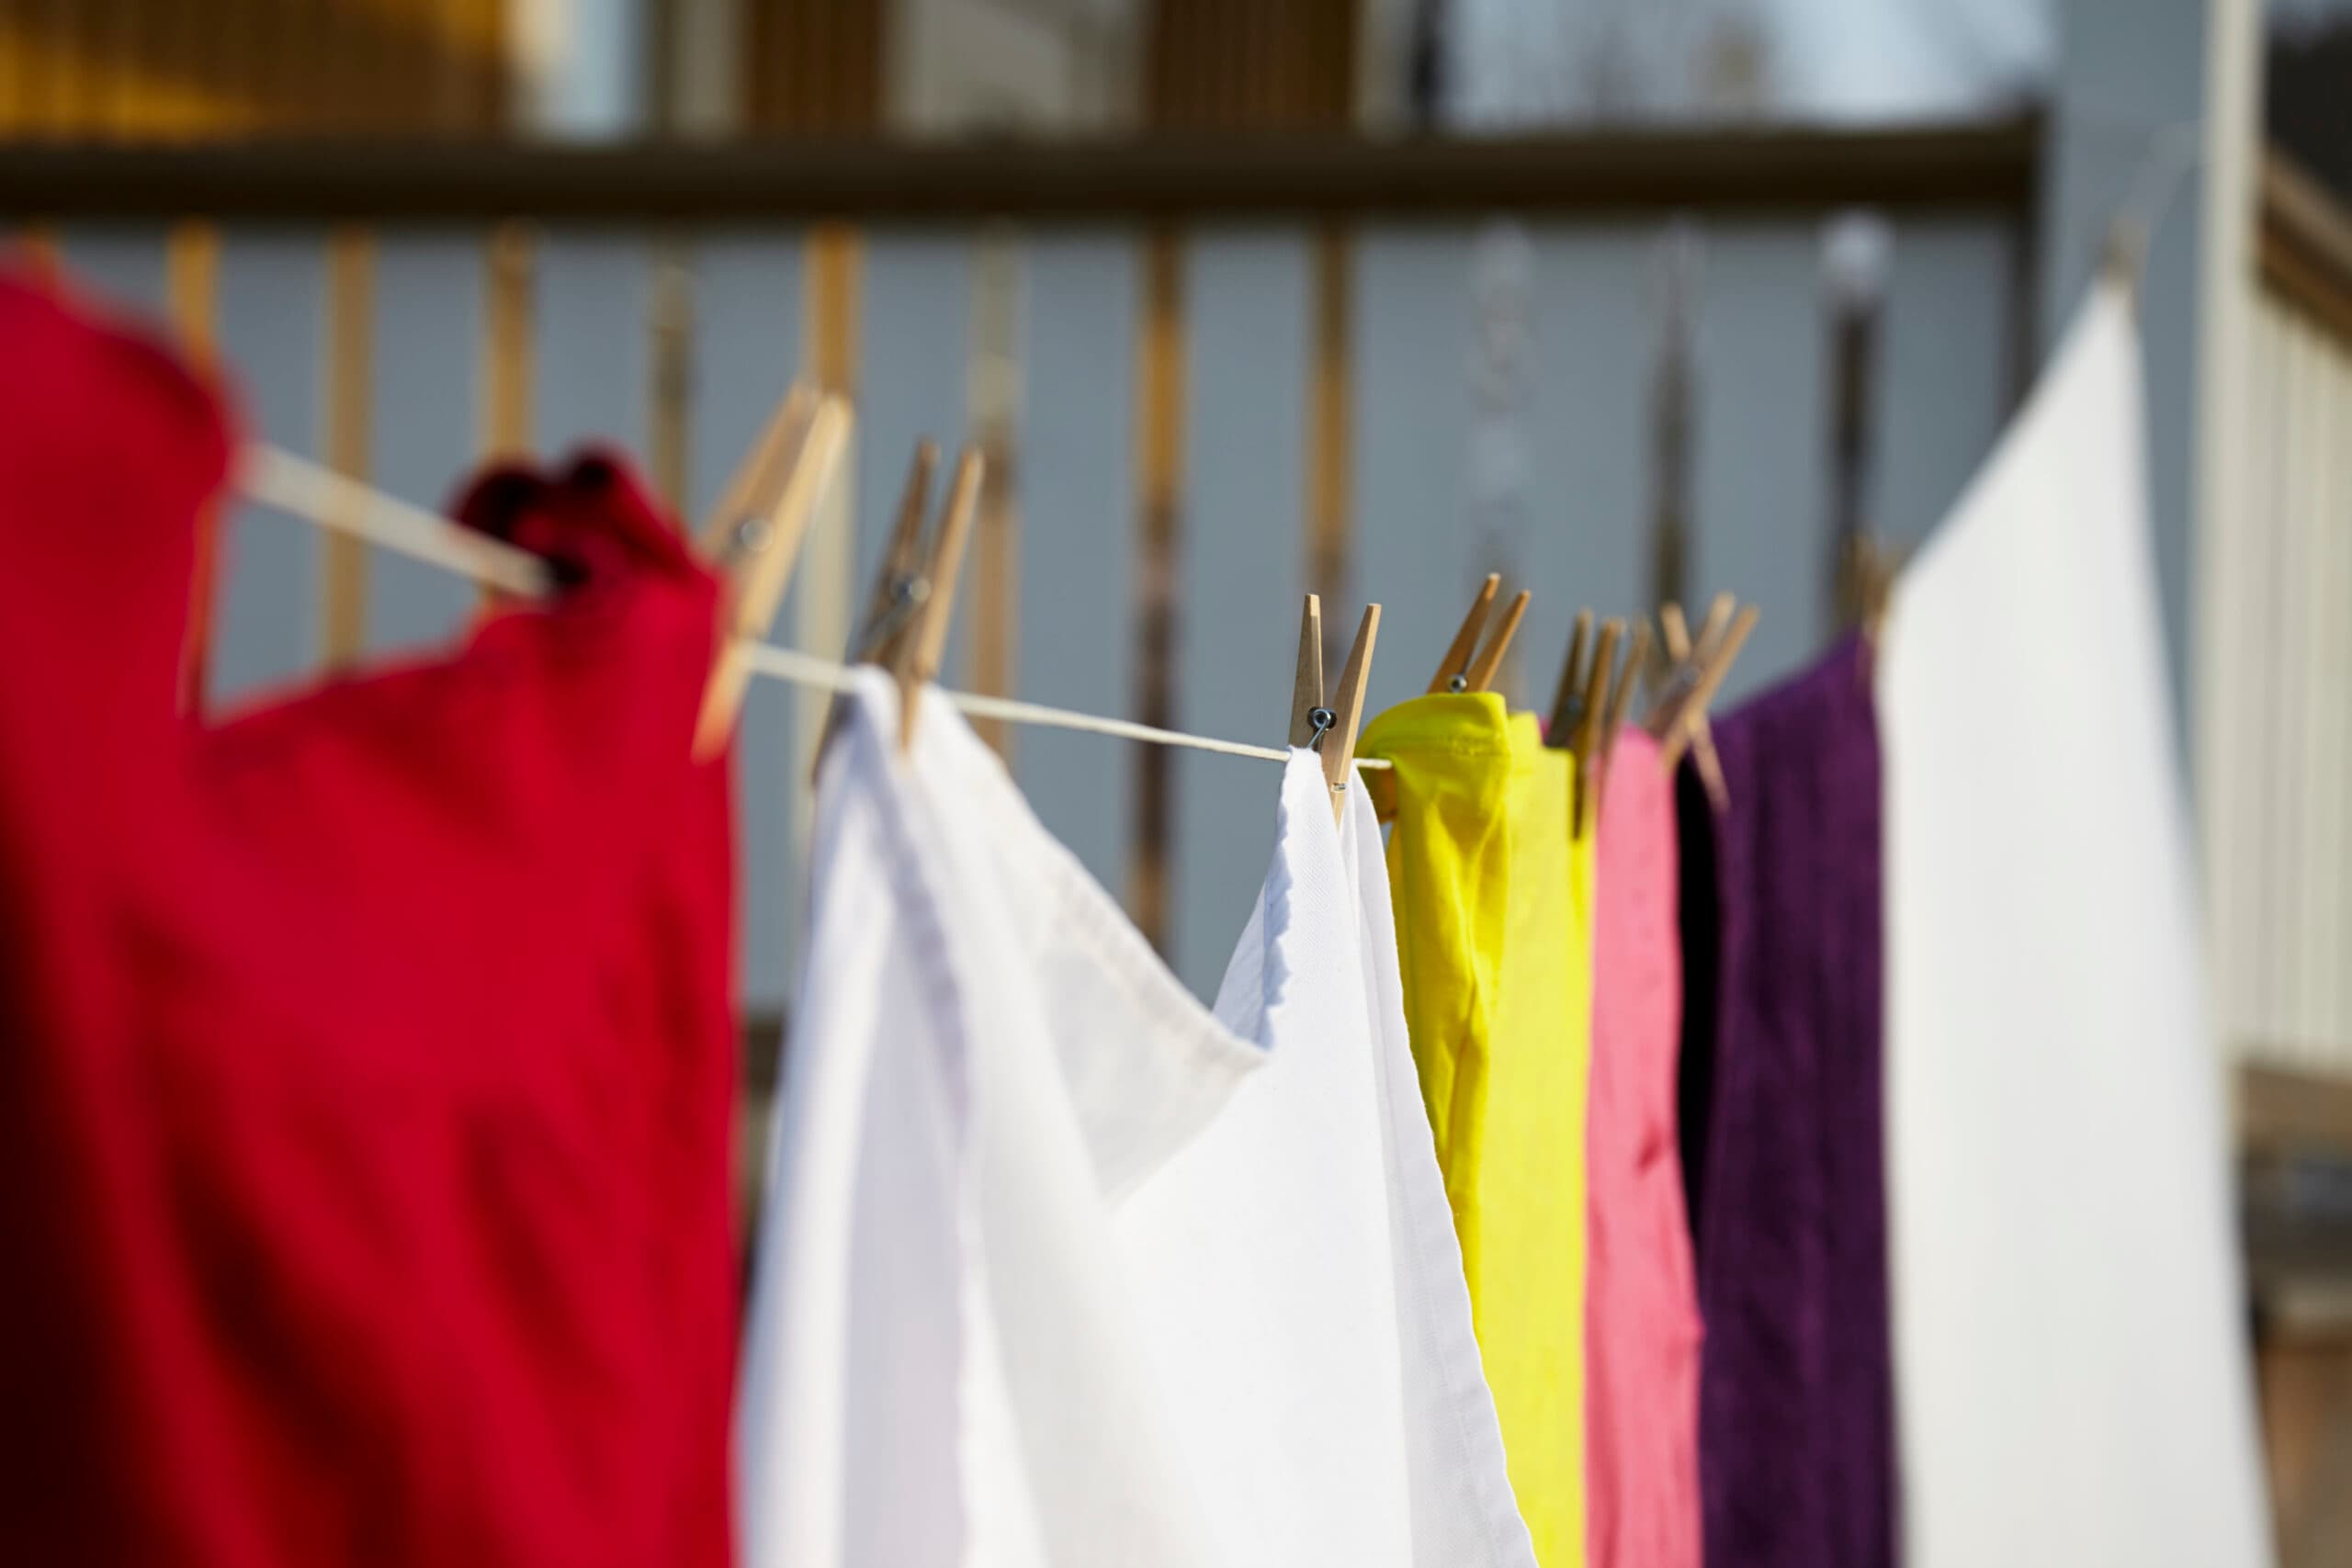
point(899, 588)
point(1621, 704)
point(1580, 706)
point(1567, 697)
point(1330, 729)
point(1462, 669)
point(754, 536)
point(886, 613)
point(1679, 721)
point(1463, 650)
point(914, 595)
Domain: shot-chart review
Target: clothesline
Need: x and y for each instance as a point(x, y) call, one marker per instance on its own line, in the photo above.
point(809, 669)
point(320, 495)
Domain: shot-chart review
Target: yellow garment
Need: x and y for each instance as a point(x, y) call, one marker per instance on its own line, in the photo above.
point(1493, 896)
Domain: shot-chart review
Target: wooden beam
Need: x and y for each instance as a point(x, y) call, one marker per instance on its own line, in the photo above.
point(1161, 176)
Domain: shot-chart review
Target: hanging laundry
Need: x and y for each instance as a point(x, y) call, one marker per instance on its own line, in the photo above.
point(1796, 1461)
point(1641, 1333)
point(365, 1111)
point(2069, 1326)
point(1296, 1265)
point(1085, 1273)
point(1492, 910)
point(943, 1364)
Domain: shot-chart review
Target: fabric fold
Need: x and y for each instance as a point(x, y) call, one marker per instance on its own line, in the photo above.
point(944, 1365)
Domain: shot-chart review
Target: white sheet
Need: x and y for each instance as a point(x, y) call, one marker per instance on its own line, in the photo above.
point(2072, 1386)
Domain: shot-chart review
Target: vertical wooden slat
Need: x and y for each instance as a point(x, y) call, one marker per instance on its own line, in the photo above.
point(835, 255)
point(193, 274)
point(350, 374)
point(117, 103)
point(870, 56)
point(494, 93)
point(1853, 360)
point(1331, 430)
point(506, 345)
point(817, 85)
point(995, 410)
point(137, 99)
point(2289, 736)
point(1160, 440)
point(2319, 680)
point(674, 329)
point(823, 591)
point(1673, 413)
point(16, 68)
point(185, 91)
point(277, 78)
point(2267, 948)
point(60, 75)
point(815, 66)
point(2234, 735)
point(1250, 65)
point(2331, 860)
point(2309, 684)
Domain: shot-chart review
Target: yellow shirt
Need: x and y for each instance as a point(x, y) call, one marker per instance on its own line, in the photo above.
point(1493, 896)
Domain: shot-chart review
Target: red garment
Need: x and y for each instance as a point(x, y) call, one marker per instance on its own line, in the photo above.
point(1642, 1336)
point(366, 1063)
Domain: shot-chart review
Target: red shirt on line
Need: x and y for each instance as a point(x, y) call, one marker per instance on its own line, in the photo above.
point(365, 1061)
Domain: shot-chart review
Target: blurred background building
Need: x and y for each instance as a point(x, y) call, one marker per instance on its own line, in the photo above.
point(615, 68)
point(1630, 298)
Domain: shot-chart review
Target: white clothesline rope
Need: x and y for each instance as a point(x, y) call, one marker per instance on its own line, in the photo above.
point(809, 669)
point(320, 495)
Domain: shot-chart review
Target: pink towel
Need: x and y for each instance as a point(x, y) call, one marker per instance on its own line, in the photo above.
point(1641, 1316)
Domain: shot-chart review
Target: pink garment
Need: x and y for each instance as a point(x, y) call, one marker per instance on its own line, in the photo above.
point(1642, 1326)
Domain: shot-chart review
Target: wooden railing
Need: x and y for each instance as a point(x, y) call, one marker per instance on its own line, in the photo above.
point(1214, 374)
point(172, 70)
point(2276, 747)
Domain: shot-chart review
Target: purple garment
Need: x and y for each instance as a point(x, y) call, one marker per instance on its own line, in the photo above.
point(1782, 1073)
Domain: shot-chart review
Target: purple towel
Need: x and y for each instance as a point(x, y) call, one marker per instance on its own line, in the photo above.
point(1783, 1106)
